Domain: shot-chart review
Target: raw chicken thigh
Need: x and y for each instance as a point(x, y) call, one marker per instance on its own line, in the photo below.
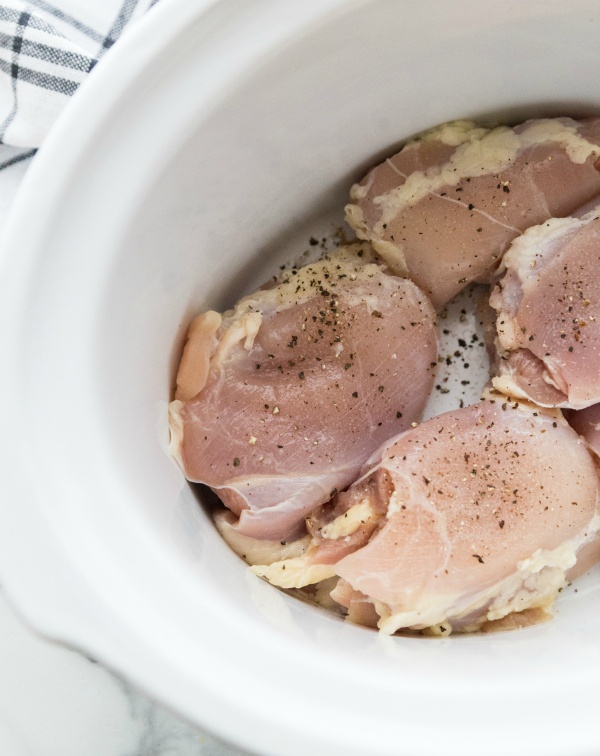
point(280, 401)
point(470, 517)
point(587, 423)
point(548, 313)
point(445, 208)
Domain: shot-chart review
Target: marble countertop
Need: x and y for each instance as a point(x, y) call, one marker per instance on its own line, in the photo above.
point(56, 702)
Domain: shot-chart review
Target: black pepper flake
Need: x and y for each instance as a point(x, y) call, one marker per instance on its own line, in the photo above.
point(236, 461)
point(355, 394)
point(479, 559)
point(471, 206)
point(398, 414)
point(347, 366)
point(301, 375)
point(376, 314)
point(380, 389)
point(501, 524)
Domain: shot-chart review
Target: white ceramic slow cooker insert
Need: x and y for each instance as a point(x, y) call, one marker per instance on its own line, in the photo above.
point(208, 144)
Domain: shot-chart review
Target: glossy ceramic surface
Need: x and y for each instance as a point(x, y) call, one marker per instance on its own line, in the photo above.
point(215, 139)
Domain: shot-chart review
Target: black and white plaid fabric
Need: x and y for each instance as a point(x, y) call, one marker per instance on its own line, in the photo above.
point(47, 48)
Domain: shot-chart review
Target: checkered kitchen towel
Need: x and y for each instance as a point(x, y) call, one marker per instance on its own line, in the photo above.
point(47, 48)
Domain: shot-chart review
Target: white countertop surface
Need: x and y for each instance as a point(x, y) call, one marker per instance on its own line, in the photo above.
point(56, 702)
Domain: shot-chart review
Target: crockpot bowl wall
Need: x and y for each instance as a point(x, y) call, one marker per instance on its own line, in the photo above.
point(211, 143)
